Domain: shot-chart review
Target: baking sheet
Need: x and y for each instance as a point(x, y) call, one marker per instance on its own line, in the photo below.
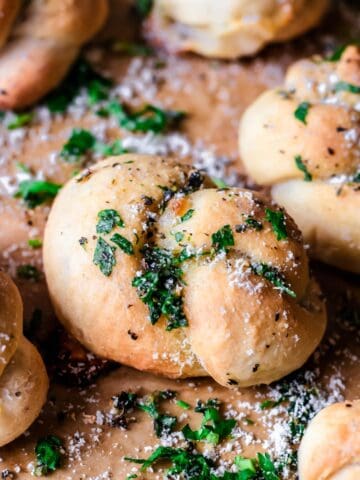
point(214, 94)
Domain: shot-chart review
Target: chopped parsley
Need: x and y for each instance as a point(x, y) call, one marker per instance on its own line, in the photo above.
point(80, 142)
point(28, 272)
point(132, 49)
point(267, 467)
point(303, 168)
point(23, 167)
point(222, 239)
point(36, 192)
point(104, 256)
point(253, 223)
point(179, 236)
point(219, 183)
point(123, 403)
point(149, 119)
point(108, 219)
point(20, 120)
point(346, 87)
point(302, 111)
point(246, 466)
point(187, 215)
point(273, 275)
point(337, 54)
point(108, 150)
point(213, 428)
point(123, 243)
point(250, 222)
point(271, 403)
point(183, 461)
point(143, 7)
point(82, 75)
point(182, 404)
point(159, 284)
point(48, 451)
point(189, 464)
point(356, 178)
point(163, 424)
point(35, 242)
point(277, 220)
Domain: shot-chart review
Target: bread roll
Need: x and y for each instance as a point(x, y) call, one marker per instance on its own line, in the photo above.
point(243, 329)
point(23, 377)
point(23, 390)
point(330, 448)
point(42, 44)
point(11, 320)
point(233, 29)
point(303, 139)
point(8, 12)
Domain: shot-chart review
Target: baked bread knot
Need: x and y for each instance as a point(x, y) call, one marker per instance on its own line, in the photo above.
point(237, 28)
point(330, 448)
point(23, 378)
point(39, 40)
point(303, 140)
point(150, 266)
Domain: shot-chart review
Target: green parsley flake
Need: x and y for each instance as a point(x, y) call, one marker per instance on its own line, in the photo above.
point(277, 220)
point(337, 54)
point(22, 167)
point(302, 111)
point(108, 219)
point(246, 466)
point(183, 405)
point(163, 424)
point(179, 236)
point(114, 148)
point(48, 455)
point(192, 465)
point(28, 272)
point(35, 242)
point(187, 215)
point(80, 76)
point(131, 49)
point(148, 119)
point(267, 467)
point(20, 120)
point(271, 403)
point(222, 239)
point(80, 142)
point(143, 7)
point(213, 428)
point(36, 192)
point(356, 178)
point(219, 183)
point(123, 243)
point(250, 222)
point(104, 256)
point(122, 404)
point(347, 87)
point(303, 168)
point(158, 286)
point(273, 275)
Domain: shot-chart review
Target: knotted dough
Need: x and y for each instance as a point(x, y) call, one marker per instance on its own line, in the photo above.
point(23, 377)
point(242, 328)
point(39, 41)
point(312, 164)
